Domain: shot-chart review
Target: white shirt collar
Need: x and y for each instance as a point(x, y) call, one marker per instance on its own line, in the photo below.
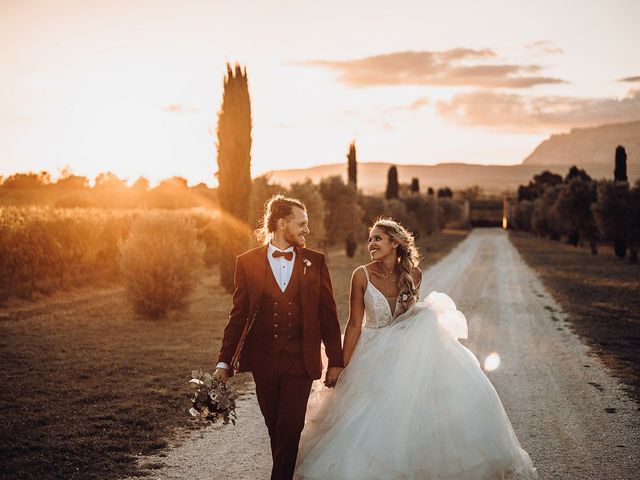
point(273, 248)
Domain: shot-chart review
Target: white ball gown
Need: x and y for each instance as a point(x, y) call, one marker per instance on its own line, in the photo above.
point(413, 403)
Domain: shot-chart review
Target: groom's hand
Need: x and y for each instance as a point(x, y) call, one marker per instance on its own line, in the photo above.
point(332, 376)
point(222, 374)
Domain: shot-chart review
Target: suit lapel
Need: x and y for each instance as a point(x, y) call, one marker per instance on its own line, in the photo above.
point(299, 271)
point(257, 282)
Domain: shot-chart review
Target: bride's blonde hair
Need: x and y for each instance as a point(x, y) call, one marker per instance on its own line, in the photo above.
point(408, 255)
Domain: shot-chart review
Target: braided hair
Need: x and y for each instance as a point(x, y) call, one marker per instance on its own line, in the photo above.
point(408, 257)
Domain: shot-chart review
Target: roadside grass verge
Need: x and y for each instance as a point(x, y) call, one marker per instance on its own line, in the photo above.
point(600, 293)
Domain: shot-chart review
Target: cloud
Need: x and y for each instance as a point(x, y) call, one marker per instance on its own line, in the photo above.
point(545, 46)
point(455, 67)
point(630, 79)
point(520, 113)
point(419, 103)
point(178, 108)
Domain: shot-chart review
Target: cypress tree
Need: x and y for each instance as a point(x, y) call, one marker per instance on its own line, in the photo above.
point(620, 175)
point(352, 165)
point(351, 245)
point(234, 170)
point(620, 170)
point(392, 183)
point(415, 185)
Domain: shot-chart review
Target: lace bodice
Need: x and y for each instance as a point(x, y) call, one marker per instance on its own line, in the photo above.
point(376, 307)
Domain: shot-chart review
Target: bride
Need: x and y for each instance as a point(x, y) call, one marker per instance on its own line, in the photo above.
point(412, 402)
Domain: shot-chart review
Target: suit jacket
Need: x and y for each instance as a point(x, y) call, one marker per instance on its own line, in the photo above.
point(320, 319)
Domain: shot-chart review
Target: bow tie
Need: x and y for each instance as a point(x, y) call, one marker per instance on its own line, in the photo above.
point(286, 255)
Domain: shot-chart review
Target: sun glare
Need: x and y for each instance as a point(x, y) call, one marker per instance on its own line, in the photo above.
point(492, 362)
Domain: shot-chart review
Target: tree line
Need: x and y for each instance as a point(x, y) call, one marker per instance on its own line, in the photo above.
point(583, 210)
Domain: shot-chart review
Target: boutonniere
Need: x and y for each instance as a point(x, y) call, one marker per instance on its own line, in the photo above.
point(307, 263)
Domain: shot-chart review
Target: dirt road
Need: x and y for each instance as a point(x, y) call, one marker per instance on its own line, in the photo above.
point(570, 415)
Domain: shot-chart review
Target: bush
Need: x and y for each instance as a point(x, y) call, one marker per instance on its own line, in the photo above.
point(449, 211)
point(522, 215)
point(159, 263)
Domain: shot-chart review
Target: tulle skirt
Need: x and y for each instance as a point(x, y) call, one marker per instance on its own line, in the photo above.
point(412, 404)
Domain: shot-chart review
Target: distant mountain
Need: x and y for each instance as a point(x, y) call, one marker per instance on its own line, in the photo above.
point(594, 145)
point(590, 148)
point(372, 177)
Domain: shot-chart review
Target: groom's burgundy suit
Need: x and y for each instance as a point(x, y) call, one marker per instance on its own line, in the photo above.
point(282, 349)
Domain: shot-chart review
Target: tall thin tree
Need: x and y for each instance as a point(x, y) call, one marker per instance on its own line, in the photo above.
point(620, 170)
point(620, 175)
point(415, 185)
point(352, 171)
point(352, 168)
point(234, 169)
point(392, 183)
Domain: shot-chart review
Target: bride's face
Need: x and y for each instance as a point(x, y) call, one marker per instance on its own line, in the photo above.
point(380, 244)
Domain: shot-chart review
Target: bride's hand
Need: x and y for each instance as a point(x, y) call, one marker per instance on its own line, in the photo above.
point(332, 376)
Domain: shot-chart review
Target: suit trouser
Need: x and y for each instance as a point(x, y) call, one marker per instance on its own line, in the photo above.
point(282, 389)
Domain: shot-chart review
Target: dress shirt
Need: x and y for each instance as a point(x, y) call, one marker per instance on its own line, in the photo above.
point(282, 270)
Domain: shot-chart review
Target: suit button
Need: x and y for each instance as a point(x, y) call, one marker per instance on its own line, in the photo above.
point(275, 314)
point(289, 313)
point(290, 303)
point(288, 336)
point(275, 325)
point(289, 324)
point(275, 336)
point(275, 304)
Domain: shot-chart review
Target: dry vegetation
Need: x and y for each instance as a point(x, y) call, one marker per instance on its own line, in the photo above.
point(600, 293)
point(88, 386)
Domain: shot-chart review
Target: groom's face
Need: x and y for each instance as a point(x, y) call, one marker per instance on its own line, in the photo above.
point(296, 227)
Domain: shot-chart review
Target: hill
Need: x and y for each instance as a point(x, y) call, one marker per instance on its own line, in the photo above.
point(597, 144)
point(372, 177)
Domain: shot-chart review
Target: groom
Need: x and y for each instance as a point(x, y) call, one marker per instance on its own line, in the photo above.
point(283, 308)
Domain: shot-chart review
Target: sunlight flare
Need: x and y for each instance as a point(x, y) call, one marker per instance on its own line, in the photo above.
point(492, 362)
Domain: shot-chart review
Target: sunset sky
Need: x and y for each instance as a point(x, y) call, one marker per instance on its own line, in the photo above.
point(134, 87)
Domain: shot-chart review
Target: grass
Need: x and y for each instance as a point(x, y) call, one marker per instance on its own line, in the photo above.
point(600, 293)
point(87, 387)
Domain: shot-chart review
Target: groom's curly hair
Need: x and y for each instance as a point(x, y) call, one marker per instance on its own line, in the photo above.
point(275, 208)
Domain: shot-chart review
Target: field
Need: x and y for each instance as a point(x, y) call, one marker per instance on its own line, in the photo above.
point(88, 386)
point(600, 293)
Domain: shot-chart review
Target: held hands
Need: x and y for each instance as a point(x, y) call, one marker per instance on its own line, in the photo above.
point(332, 376)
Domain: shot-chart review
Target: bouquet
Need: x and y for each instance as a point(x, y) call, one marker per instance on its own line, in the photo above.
point(213, 399)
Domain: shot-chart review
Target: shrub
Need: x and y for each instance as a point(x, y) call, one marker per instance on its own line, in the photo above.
point(159, 263)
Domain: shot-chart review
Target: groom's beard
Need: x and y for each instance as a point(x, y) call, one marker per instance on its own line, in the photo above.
point(294, 240)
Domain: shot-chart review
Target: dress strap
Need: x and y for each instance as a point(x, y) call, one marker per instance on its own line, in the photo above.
point(366, 272)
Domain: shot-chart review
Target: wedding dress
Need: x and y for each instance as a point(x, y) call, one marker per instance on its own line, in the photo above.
point(413, 403)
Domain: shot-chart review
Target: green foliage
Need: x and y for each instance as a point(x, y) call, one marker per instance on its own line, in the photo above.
point(261, 191)
point(573, 208)
point(160, 262)
point(397, 210)
point(613, 213)
point(393, 189)
point(309, 194)
point(445, 192)
point(545, 220)
point(352, 165)
point(620, 170)
point(343, 214)
point(43, 249)
point(40, 248)
point(415, 185)
point(449, 211)
point(522, 216)
point(234, 169)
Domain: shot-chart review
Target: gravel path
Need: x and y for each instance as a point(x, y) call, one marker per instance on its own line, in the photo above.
point(570, 415)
